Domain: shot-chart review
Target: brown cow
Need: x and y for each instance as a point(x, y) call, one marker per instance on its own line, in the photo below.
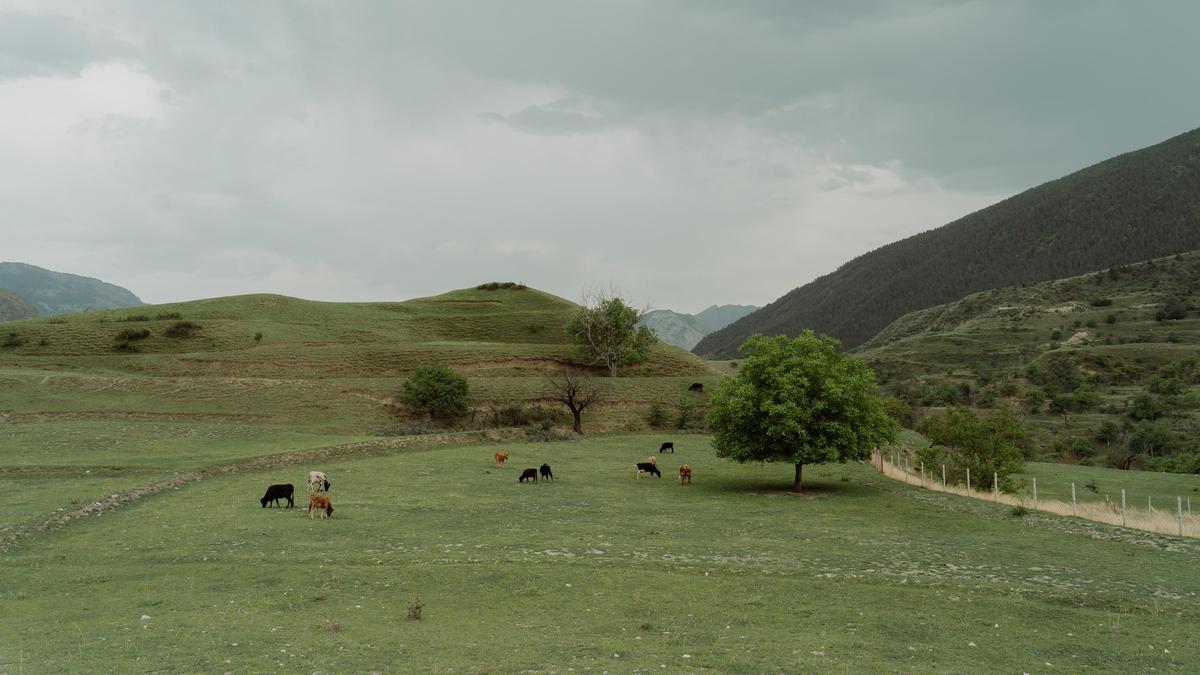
point(319, 501)
point(685, 471)
point(501, 458)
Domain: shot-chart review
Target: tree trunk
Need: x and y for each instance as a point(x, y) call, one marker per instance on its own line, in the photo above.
point(612, 368)
point(578, 414)
point(797, 485)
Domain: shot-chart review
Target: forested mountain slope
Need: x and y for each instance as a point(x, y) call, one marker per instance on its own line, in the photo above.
point(1140, 205)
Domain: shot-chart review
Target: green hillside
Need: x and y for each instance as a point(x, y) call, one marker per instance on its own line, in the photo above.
point(1105, 366)
point(1137, 206)
point(53, 292)
point(345, 358)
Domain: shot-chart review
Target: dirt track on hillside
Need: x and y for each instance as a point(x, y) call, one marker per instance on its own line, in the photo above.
point(310, 456)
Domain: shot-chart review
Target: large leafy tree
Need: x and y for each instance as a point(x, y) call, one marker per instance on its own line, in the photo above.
point(604, 331)
point(985, 445)
point(801, 401)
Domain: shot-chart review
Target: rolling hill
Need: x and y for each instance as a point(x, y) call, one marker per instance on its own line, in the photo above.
point(61, 293)
point(1104, 367)
point(1137, 206)
point(334, 366)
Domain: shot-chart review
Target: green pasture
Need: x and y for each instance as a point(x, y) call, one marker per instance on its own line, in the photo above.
point(1054, 482)
point(595, 571)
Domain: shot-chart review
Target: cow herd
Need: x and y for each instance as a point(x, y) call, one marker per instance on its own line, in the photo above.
point(318, 482)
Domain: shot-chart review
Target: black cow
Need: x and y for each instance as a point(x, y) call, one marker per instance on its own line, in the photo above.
point(277, 492)
point(545, 471)
point(666, 446)
point(697, 386)
point(528, 473)
point(648, 467)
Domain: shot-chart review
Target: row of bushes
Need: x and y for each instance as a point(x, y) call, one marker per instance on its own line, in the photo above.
point(124, 340)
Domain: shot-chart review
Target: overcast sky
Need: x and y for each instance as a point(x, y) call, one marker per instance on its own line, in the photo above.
point(688, 153)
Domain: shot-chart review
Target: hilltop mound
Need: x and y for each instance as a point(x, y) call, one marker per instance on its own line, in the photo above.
point(1137, 206)
point(61, 293)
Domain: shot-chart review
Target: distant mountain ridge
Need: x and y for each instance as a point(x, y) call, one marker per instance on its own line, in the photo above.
point(686, 330)
point(14, 308)
point(53, 292)
point(1136, 206)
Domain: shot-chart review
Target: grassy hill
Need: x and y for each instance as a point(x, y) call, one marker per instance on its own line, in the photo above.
point(1136, 206)
point(1078, 357)
point(61, 293)
point(686, 330)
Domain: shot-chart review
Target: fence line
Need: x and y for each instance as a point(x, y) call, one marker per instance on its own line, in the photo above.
point(1177, 521)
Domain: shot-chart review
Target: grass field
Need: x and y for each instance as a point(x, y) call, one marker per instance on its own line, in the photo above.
point(595, 571)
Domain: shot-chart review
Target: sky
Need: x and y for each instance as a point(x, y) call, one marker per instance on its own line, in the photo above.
point(684, 152)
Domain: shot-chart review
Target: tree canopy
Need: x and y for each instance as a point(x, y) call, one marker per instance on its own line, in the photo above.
point(801, 401)
point(436, 390)
point(604, 332)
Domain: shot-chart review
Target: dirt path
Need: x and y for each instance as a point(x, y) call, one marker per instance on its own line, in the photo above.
point(325, 454)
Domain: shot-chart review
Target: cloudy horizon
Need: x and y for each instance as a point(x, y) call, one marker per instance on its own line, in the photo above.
point(687, 153)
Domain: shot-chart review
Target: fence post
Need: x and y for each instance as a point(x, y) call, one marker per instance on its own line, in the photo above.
point(968, 482)
point(1073, 510)
point(1189, 506)
point(995, 487)
point(922, 474)
point(906, 468)
point(943, 478)
point(1149, 505)
point(1179, 510)
point(1122, 507)
point(1035, 504)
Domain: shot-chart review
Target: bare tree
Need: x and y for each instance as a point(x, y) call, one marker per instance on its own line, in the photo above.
point(576, 390)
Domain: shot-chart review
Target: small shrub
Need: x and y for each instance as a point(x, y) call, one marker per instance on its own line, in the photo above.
point(1110, 319)
point(135, 318)
point(414, 610)
point(168, 316)
point(436, 390)
point(126, 348)
point(182, 329)
point(130, 335)
point(258, 337)
point(656, 416)
point(501, 285)
point(1019, 511)
point(1100, 302)
point(13, 340)
point(1091, 485)
point(546, 433)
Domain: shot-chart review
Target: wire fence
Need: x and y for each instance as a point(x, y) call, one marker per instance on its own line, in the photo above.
point(1176, 519)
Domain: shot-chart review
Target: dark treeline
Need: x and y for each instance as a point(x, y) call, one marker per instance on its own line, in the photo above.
point(1136, 206)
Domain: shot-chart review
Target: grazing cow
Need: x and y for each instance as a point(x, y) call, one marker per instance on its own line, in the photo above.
point(528, 473)
point(653, 460)
point(685, 471)
point(648, 467)
point(277, 492)
point(318, 481)
point(319, 503)
point(545, 471)
point(501, 458)
point(697, 386)
point(666, 446)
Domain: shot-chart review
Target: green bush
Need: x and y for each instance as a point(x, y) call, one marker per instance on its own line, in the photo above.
point(1145, 406)
point(131, 335)
point(501, 285)
point(13, 340)
point(436, 390)
point(134, 318)
point(657, 416)
point(182, 329)
point(168, 316)
point(1100, 302)
point(984, 444)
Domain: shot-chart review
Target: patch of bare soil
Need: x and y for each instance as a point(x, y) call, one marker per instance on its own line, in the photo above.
point(325, 454)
